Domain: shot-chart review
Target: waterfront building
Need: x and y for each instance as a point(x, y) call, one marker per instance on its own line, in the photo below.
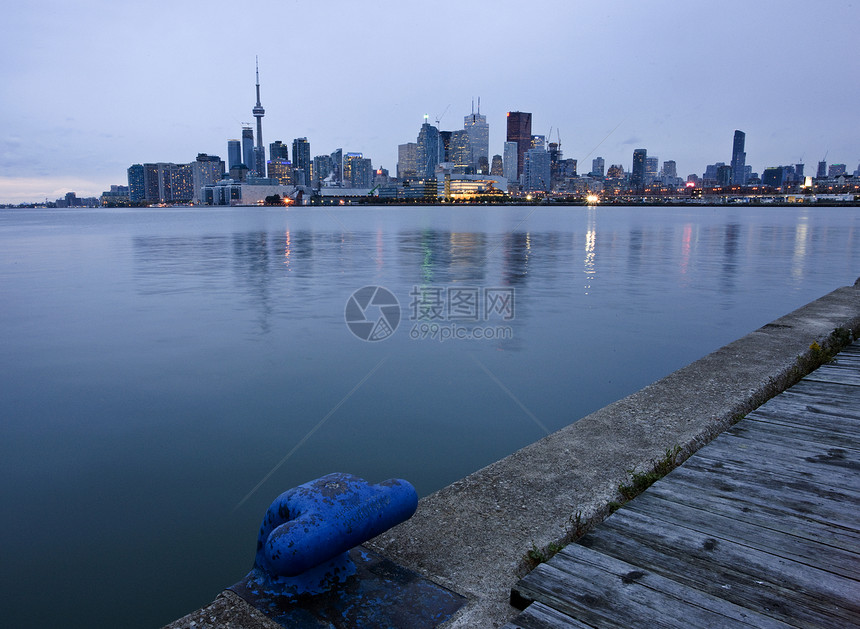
point(724, 176)
point(429, 150)
point(136, 183)
point(738, 177)
point(773, 176)
point(834, 170)
point(322, 169)
point(151, 183)
point(205, 170)
point(281, 170)
point(302, 160)
point(822, 169)
point(117, 195)
point(357, 171)
point(475, 124)
point(234, 153)
point(497, 168)
point(670, 170)
point(637, 173)
point(509, 162)
point(536, 171)
point(597, 167)
point(407, 161)
point(337, 167)
point(248, 157)
point(519, 131)
point(652, 165)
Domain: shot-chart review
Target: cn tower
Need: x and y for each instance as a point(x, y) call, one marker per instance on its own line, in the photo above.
point(259, 112)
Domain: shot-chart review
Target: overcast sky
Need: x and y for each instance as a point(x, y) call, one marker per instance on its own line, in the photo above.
point(90, 87)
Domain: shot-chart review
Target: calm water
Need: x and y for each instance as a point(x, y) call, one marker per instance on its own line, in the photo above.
point(166, 373)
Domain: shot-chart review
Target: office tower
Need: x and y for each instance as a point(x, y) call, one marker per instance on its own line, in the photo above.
point(337, 167)
point(357, 171)
point(538, 142)
point(773, 176)
point(234, 153)
point(520, 131)
point(835, 170)
point(302, 160)
point(798, 170)
point(739, 159)
point(279, 150)
point(248, 148)
point(281, 170)
point(652, 165)
point(637, 174)
point(509, 162)
point(461, 151)
point(536, 170)
point(822, 170)
point(496, 168)
point(724, 176)
point(322, 169)
point(205, 170)
point(555, 160)
point(597, 167)
point(259, 152)
point(445, 146)
point(407, 161)
point(479, 136)
point(429, 150)
point(136, 185)
point(670, 170)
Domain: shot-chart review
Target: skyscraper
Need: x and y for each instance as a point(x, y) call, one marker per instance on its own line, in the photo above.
point(637, 174)
point(496, 169)
point(652, 168)
point(520, 131)
point(739, 159)
point(260, 152)
point(479, 136)
point(279, 150)
point(537, 170)
point(234, 153)
point(597, 167)
point(407, 161)
point(509, 162)
point(822, 169)
point(461, 151)
point(302, 160)
point(429, 150)
point(248, 148)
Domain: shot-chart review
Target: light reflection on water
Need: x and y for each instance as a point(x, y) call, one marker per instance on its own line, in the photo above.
point(158, 364)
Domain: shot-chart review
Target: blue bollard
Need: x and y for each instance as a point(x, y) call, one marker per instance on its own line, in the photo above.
point(320, 521)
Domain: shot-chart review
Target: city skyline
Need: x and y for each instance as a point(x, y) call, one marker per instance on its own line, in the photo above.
point(80, 111)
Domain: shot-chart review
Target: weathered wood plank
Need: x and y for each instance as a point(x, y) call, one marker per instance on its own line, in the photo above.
point(791, 436)
point(809, 418)
point(730, 571)
point(816, 479)
point(827, 505)
point(540, 616)
point(757, 513)
point(797, 548)
point(602, 598)
point(835, 374)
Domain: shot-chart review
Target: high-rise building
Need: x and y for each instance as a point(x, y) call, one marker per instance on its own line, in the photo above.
point(509, 162)
point(357, 171)
point(205, 170)
point(302, 160)
point(739, 158)
point(519, 130)
point(337, 167)
point(322, 169)
point(597, 167)
point(407, 161)
point(151, 183)
point(461, 151)
point(234, 153)
point(652, 168)
point(429, 150)
point(281, 170)
point(279, 150)
point(445, 146)
point(822, 170)
point(637, 173)
point(670, 170)
point(536, 170)
point(496, 168)
point(260, 151)
point(835, 170)
point(136, 183)
point(479, 136)
point(248, 148)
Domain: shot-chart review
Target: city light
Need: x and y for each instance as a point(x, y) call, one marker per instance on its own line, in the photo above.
point(592, 199)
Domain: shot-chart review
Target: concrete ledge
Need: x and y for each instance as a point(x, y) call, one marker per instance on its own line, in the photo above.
point(473, 536)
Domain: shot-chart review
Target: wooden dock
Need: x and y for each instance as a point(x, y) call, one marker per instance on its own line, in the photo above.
point(760, 528)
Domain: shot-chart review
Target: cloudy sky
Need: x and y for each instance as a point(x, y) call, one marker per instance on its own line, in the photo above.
point(90, 87)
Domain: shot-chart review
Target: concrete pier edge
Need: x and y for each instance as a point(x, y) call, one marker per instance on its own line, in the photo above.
point(474, 535)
